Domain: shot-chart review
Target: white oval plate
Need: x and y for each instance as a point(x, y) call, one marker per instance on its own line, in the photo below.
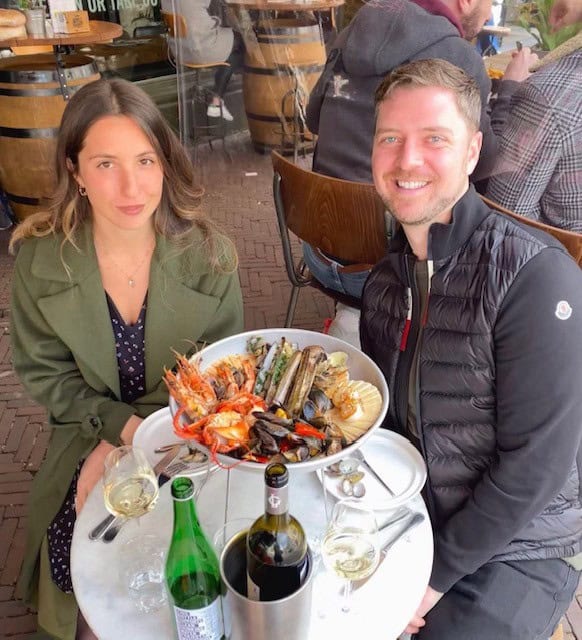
point(360, 366)
point(156, 431)
point(396, 461)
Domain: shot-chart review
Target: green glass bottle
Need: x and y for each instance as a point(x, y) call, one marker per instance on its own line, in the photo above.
point(192, 572)
point(277, 558)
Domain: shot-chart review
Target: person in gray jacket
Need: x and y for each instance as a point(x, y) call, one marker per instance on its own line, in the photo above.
point(383, 35)
point(476, 322)
point(207, 42)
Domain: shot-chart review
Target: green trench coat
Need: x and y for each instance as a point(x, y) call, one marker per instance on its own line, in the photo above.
point(64, 352)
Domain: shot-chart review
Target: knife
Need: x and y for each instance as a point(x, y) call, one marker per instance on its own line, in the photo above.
point(104, 525)
point(413, 521)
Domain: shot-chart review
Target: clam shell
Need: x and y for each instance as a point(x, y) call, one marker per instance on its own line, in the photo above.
point(367, 414)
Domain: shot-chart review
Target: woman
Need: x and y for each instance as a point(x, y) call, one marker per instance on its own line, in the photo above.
point(207, 42)
point(120, 270)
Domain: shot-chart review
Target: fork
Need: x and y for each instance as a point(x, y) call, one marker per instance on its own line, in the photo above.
point(172, 470)
point(360, 456)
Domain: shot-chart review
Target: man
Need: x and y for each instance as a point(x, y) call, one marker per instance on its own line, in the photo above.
point(476, 322)
point(383, 35)
point(538, 173)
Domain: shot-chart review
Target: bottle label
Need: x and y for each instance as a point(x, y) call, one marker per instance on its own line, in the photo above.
point(276, 500)
point(200, 624)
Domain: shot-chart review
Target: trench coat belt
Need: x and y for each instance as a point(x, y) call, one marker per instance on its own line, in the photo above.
point(348, 268)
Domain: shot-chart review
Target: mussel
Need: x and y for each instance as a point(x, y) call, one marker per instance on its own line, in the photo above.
point(316, 405)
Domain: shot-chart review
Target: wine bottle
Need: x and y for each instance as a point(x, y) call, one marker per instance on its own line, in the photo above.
point(192, 572)
point(277, 558)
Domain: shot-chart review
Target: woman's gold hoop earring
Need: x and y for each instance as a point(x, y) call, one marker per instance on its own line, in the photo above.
point(82, 191)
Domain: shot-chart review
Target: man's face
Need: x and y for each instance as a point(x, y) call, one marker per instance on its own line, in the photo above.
point(474, 14)
point(423, 154)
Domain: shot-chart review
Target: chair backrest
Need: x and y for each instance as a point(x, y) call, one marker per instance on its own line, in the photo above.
point(176, 25)
point(344, 219)
point(572, 241)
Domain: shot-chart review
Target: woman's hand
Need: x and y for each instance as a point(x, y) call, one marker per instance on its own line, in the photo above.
point(91, 473)
point(129, 429)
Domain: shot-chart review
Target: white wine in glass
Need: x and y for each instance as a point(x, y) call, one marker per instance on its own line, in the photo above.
point(350, 547)
point(130, 485)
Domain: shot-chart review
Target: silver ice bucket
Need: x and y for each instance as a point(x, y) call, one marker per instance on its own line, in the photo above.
point(245, 619)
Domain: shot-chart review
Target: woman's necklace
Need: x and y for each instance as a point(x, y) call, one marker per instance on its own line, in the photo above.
point(130, 276)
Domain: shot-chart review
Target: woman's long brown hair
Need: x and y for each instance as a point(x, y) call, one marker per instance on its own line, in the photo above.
point(178, 212)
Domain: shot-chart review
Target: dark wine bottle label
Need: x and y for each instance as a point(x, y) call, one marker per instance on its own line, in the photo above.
point(277, 500)
point(200, 624)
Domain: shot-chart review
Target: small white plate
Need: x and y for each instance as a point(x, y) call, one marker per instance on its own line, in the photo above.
point(396, 461)
point(156, 431)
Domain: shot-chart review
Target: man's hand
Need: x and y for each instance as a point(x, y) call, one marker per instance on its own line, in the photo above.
point(91, 473)
point(518, 68)
point(564, 13)
point(431, 597)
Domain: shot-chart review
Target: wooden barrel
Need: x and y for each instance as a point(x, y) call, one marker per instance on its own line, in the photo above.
point(281, 68)
point(31, 107)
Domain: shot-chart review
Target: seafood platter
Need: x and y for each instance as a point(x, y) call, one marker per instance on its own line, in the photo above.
point(297, 396)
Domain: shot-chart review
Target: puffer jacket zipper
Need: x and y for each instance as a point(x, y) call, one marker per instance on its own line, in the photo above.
point(428, 495)
point(407, 345)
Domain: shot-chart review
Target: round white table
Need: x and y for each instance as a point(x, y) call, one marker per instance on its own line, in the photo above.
point(386, 602)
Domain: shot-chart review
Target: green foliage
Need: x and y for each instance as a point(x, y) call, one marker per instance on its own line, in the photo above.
point(534, 17)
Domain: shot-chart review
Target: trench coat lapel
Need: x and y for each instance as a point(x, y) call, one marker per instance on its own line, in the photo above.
point(77, 310)
point(191, 313)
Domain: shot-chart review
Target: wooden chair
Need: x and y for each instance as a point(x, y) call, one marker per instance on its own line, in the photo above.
point(178, 29)
point(343, 219)
point(572, 241)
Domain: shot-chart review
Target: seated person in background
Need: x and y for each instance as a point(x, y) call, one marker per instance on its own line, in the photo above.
point(449, 315)
point(121, 269)
point(207, 42)
point(382, 35)
point(538, 173)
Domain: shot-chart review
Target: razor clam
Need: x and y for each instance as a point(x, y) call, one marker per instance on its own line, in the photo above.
point(310, 357)
point(280, 364)
point(286, 381)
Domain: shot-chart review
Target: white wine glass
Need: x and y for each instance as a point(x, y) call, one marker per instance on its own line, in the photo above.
point(130, 486)
point(130, 490)
point(350, 547)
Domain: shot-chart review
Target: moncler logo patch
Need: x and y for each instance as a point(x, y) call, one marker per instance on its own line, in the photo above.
point(563, 310)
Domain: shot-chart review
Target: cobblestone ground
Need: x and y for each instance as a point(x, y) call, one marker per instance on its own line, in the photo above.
point(239, 198)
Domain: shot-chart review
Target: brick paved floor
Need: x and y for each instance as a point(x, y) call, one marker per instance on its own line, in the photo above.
point(243, 205)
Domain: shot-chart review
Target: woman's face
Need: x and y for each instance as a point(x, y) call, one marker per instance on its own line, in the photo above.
point(122, 174)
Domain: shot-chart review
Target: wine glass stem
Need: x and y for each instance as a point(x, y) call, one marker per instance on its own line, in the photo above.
point(347, 596)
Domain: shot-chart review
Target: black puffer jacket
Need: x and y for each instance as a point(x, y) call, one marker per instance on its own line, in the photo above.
point(499, 408)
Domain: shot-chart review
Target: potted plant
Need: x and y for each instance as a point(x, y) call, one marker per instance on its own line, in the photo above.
point(534, 17)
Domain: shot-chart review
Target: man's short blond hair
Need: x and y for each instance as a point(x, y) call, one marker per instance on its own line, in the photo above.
point(436, 73)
